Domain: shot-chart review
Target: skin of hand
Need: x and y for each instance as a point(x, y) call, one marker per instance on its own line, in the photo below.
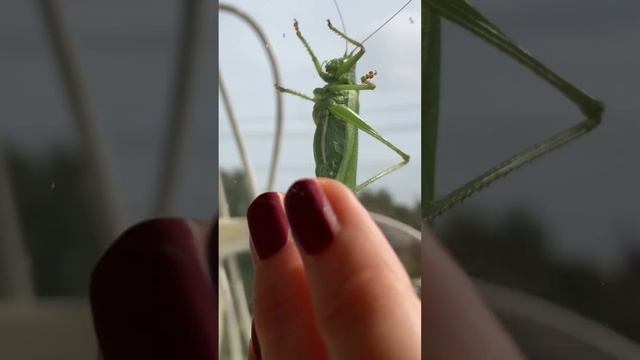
point(327, 283)
point(327, 286)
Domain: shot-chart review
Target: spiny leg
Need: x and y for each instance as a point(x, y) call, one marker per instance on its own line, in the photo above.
point(343, 35)
point(352, 59)
point(463, 14)
point(460, 12)
point(316, 63)
point(366, 84)
point(293, 92)
point(441, 205)
point(350, 117)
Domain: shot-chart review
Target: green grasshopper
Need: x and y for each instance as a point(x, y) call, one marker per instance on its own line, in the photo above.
point(335, 113)
point(463, 14)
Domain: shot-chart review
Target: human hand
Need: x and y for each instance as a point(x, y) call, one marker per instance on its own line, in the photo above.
point(154, 292)
point(338, 291)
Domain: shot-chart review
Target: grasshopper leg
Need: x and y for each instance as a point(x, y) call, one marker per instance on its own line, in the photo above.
point(293, 92)
point(443, 204)
point(349, 116)
point(463, 14)
point(366, 84)
point(314, 58)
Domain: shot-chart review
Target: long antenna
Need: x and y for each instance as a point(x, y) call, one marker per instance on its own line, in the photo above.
point(386, 22)
point(344, 28)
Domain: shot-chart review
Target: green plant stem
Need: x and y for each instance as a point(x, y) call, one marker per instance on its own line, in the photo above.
point(430, 102)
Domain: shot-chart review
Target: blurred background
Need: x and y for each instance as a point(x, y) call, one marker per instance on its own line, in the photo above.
point(108, 116)
point(566, 227)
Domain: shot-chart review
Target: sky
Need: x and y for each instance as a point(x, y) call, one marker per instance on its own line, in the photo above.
point(585, 195)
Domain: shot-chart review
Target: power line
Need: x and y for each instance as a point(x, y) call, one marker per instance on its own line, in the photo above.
point(297, 169)
point(412, 106)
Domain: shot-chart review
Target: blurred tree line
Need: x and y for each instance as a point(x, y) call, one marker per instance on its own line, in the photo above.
point(58, 218)
point(62, 229)
point(513, 250)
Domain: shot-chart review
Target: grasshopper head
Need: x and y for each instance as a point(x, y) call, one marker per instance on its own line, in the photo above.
point(331, 68)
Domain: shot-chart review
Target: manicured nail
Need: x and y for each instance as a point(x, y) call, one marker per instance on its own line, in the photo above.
point(255, 342)
point(151, 297)
point(312, 219)
point(267, 224)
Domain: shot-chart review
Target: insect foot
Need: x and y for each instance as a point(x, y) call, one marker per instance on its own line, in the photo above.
point(368, 76)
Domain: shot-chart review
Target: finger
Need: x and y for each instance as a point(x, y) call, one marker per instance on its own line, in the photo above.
point(152, 296)
point(362, 297)
point(284, 319)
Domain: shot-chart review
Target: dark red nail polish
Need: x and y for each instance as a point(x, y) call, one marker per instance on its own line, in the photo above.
point(152, 299)
point(255, 342)
point(267, 224)
point(312, 219)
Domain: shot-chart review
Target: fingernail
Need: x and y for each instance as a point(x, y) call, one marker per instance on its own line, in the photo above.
point(151, 297)
point(255, 342)
point(312, 219)
point(267, 224)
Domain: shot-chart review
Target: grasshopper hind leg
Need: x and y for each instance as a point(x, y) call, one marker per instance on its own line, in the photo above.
point(349, 116)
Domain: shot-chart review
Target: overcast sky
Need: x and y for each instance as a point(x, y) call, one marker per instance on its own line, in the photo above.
point(585, 195)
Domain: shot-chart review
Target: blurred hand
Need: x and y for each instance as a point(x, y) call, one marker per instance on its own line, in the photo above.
point(327, 286)
point(153, 295)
